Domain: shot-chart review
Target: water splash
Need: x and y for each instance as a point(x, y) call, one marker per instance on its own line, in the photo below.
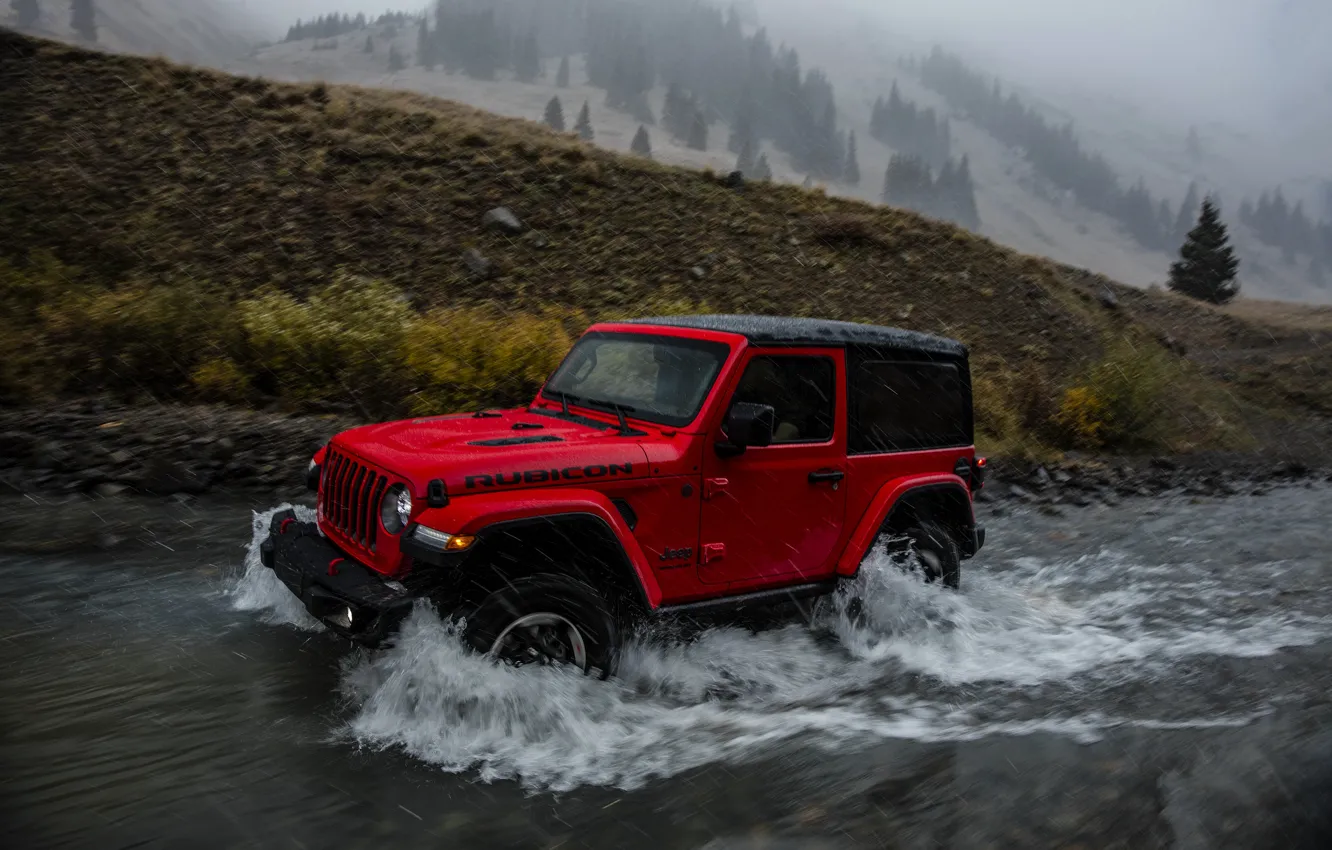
point(257, 589)
point(917, 662)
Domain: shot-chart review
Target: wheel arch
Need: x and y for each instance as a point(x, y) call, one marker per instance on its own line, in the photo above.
point(901, 504)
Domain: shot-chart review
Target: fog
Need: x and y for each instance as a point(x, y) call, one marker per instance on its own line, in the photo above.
point(1217, 59)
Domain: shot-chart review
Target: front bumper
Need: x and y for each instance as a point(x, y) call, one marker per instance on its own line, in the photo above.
point(349, 598)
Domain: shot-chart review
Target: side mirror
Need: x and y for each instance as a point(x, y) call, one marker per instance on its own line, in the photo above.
point(747, 425)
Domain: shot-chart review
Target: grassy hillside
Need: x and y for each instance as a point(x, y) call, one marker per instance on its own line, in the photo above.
point(186, 226)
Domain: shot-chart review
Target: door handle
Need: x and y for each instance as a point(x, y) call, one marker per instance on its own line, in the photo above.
point(826, 475)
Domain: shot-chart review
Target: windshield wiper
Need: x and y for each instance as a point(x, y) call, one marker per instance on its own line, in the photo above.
point(620, 410)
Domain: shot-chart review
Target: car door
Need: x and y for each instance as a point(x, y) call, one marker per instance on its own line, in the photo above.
point(777, 512)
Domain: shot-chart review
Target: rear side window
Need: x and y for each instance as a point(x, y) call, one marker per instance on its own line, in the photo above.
point(906, 406)
point(802, 392)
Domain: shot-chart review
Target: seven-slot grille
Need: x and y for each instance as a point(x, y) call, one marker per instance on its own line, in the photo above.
point(350, 493)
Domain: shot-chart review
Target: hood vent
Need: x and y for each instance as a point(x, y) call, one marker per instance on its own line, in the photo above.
point(518, 441)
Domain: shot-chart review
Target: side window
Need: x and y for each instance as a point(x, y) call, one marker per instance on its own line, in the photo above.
point(802, 390)
point(903, 406)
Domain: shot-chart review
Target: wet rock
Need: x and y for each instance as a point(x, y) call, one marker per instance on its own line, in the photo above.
point(1107, 298)
point(167, 477)
point(477, 263)
point(1019, 493)
point(223, 449)
point(110, 489)
point(120, 457)
point(1040, 478)
point(503, 220)
point(698, 273)
point(536, 239)
point(52, 455)
point(734, 180)
point(15, 444)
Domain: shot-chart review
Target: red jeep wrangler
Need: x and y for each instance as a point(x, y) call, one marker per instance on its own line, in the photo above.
point(688, 465)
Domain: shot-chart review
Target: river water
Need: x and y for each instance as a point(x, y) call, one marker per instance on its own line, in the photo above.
point(1158, 674)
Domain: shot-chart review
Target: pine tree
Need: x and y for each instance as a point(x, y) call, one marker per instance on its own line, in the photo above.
point(1188, 212)
point(698, 131)
point(1207, 267)
point(562, 76)
point(395, 62)
point(965, 195)
point(675, 112)
point(584, 125)
point(641, 144)
point(762, 171)
point(27, 11)
point(1192, 144)
point(851, 168)
point(369, 44)
point(744, 163)
point(555, 115)
point(425, 47)
point(528, 66)
point(83, 19)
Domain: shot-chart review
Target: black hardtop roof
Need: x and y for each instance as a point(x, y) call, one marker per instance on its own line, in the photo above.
point(773, 330)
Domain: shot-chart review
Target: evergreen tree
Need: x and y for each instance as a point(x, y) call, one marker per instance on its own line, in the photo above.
point(851, 169)
point(1192, 144)
point(528, 66)
point(965, 196)
point(584, 125)
point(744, 163)
point(555, 115)
point(425, 47)
point(562, 76)
point(762, 171)
point(1188, 212)
point(395, 62)
point(698, 131)
point(27, 11)
point(83, 19)
point(641, 144)
point(1207, 267)
point(675, 112)
point(1317, 275)
point(369, 44)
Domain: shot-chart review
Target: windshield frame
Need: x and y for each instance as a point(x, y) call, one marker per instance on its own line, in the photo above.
point(722, 349)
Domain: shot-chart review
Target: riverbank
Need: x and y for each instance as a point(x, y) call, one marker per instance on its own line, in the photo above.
point(100, 450)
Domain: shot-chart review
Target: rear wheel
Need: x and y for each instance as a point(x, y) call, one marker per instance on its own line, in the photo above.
point(546, 619)
point(936, 552)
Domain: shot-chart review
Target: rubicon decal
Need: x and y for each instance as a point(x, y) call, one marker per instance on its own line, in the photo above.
point(542, 476)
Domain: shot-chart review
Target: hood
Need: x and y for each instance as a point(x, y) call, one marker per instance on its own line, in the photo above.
point(499, 450)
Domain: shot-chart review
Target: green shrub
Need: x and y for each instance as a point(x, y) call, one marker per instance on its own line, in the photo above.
point(475, 357)
point(342, 344)
point(1119, 402)
point(221, 379)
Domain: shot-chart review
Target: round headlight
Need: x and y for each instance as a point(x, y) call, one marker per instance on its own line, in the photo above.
point(396, 509)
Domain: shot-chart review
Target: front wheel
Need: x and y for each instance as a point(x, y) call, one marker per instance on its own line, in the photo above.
point(546, 619)
point(936, 552)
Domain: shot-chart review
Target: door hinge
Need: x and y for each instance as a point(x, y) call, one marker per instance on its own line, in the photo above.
point(713, 552)
point(713, 487)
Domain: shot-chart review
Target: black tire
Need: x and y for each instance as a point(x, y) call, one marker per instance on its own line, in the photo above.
point(936, 551)
point(550, 603)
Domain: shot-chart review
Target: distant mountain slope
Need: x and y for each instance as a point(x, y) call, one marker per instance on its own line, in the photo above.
point(204, 32)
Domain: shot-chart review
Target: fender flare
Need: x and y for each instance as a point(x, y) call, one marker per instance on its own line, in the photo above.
point(890, 495)
point(475, 515)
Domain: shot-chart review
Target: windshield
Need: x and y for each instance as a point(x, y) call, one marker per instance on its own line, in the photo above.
point(658, 379)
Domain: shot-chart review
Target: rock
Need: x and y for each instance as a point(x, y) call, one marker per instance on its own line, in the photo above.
point(536, 239)
point(109, 489)
point(477, 263)
point(1163, 463)
point(1041, 477)
point(697, 273)
point(1107, 298)
point(53, 455)
point(503, 220)
point(120, 457)
point(1020, 494)
point(167, 477)
point(16, 444)
point(734, 180)
point(223, 449)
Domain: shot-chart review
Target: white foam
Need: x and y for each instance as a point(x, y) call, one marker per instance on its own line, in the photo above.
point(258, 589)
